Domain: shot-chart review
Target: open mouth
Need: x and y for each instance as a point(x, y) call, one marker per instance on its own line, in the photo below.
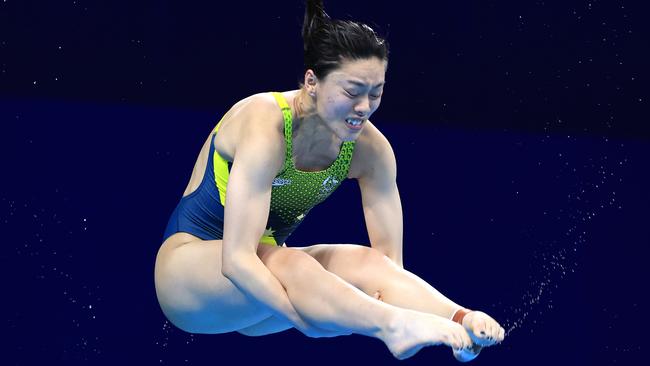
point(354, 123)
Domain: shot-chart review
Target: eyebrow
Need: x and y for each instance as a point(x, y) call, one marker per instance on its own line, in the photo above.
point(358, 83)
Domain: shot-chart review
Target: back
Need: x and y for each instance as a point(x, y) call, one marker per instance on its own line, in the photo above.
point(257, 112)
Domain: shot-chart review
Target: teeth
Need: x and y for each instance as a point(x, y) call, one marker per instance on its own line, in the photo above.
point(354, 122)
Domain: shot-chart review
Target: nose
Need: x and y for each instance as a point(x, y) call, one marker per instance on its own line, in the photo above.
point(362, 108)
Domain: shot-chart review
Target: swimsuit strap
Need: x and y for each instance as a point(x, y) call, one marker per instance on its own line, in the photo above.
point(286, 113)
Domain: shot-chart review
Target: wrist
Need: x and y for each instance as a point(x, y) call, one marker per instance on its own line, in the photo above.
point(459, 315)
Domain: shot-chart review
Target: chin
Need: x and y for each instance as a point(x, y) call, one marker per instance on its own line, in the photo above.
point(344, 133)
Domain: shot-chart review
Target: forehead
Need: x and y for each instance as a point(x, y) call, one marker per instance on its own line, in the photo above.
point(371, 71)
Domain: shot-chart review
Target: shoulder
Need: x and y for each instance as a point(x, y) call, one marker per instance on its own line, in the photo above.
point(255, 118)
point(259, 112)
point(373, 154)
point(252, 133)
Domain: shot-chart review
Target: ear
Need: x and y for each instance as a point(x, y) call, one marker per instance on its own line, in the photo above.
point(310, 82)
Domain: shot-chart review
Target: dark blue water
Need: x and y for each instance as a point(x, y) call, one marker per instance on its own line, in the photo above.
point(520, 131)
point(545, 232)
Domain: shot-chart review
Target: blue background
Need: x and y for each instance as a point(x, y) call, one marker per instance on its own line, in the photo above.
point(520, 131)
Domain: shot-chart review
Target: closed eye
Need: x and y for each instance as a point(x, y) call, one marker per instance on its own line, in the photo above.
point(353, 95)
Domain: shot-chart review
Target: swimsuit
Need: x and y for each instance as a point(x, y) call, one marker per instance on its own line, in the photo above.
point(293, 193)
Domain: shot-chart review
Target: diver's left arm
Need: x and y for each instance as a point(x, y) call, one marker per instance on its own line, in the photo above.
point(382, 208)
point(383, 213)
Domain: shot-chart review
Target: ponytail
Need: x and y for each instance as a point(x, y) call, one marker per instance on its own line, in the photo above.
point(327, 42)
point(315, 18)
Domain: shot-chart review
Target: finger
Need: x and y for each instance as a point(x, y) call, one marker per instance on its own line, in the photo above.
point(496, 329)
point(494, 332)
point(463, 337)
point(449, 340)
point(490, 332)
point(467, 340)
point(480, 330)
point(487, 337)
point(459, 339)
point(455, 342)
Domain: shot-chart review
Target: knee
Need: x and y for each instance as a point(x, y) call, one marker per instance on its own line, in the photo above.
point(371, 257)
point(290, 261)
point(367, 268)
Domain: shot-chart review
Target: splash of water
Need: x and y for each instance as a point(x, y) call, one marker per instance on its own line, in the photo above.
point(597, 179)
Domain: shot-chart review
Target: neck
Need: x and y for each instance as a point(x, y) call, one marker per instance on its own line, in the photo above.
point(310, 132)
point(304, 106)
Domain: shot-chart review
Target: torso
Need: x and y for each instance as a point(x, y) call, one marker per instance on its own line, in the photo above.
point(306, 158)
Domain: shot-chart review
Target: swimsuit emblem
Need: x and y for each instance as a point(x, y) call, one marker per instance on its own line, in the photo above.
point(278, 182)
point(328, 185)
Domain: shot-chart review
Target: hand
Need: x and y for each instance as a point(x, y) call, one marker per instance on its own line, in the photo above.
point(483, 330)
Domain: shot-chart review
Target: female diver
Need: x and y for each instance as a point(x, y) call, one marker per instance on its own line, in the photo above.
point(224, 265)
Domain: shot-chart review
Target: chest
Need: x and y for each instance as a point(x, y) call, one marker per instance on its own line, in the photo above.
point(311, 160)
point(306, 158)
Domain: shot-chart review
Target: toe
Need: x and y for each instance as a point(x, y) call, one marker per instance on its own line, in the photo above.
point(502, 333)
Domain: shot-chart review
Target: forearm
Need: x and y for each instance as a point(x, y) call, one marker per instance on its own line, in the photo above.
point(396, 256)
point(254, 279)
point(310, 308)
point(392, 250)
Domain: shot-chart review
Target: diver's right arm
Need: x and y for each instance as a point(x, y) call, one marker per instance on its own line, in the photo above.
point(248, 200)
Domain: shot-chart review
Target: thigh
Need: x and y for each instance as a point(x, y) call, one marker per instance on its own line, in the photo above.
point(363, 267)
point(267, 326)
point(192, 292)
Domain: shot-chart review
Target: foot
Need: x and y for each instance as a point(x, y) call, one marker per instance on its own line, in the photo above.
point(410, 330)
point(483, 330)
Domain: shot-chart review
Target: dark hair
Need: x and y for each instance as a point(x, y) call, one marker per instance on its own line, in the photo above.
point(328, 42)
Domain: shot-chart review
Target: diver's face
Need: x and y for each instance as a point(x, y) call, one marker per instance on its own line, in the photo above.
point(349, 95)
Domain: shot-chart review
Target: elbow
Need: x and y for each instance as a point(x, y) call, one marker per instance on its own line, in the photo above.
point(228, 268)
point(237, 258)
point(232, 263)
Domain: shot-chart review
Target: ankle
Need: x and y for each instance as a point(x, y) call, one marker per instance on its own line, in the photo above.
point(391, 325)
